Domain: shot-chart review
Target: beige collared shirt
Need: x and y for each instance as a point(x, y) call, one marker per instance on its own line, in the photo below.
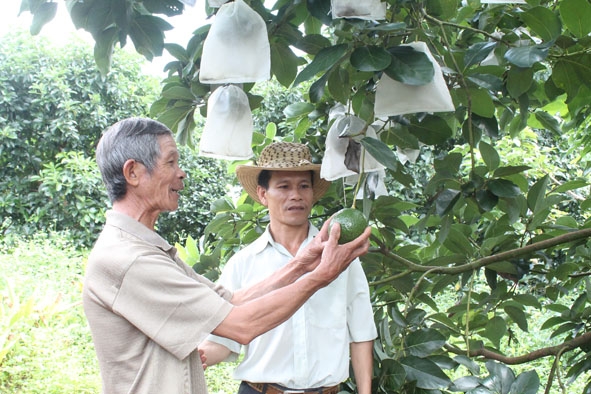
point(148, 311)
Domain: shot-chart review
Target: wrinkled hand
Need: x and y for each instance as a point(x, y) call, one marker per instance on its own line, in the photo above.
point(310, 255)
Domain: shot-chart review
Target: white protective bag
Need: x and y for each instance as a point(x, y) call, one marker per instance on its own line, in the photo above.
point(236, 49)
point(359, 9)
point(228, 128)
point(334, 164)
point(216, 3)
point(397, 98)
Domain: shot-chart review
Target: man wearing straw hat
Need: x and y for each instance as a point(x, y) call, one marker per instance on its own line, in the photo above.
point(148, 310)
point(309, 352)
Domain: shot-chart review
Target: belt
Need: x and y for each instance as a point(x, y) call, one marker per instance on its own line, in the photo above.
point(270, 388)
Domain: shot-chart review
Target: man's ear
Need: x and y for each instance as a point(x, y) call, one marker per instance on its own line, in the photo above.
point(131, 171)
point(262, 194)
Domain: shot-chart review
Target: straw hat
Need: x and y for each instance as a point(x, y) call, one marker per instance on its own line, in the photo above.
point(281, 156)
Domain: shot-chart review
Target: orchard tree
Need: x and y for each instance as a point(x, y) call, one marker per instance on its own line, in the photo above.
point(487, 200)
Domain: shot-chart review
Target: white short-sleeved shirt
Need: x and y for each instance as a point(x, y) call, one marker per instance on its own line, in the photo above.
point(311, 349)
point(148, 311)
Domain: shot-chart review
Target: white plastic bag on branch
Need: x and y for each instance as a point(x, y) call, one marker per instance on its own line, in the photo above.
point(216, 3)
point(344, 155)
point(373, 187)
point(236, 49)
point(360, 9)
point(397, 98)
point(228, 128)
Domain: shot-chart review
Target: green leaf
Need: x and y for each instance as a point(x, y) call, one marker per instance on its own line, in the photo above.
point(518, 316)
point(478, 52)
point(519, 80)
point(284, 64)
point(489, 155)
point(422, 343)
point(527, 382)
point(392, 374)
point(381, 152)
point(570, 75)
point(571, 185)
point(313, 43)
point(548, 121)
point(543, 22)
point(459, 243)
point(177, 52)
point(527, 56)
point(339, 85)
point(298, 109)
point(495, 329)
point(425, 372)
point(536, 196)
point(42, 14)
point(503, 188)
point(323, 61)
point(510, 170)
point(576, 15)
point(387, 26)
point(178, 93)
point(370, 58)
point(316, 91)
point(482, 103)
point(410, 66)
point(432, 130)
point(103, 49)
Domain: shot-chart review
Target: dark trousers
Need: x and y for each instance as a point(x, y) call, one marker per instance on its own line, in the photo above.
point(246, 389)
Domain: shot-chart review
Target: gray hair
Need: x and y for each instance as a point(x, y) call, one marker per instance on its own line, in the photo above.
point(129, 139)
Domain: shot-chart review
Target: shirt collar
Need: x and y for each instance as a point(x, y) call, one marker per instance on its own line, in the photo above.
point(133, 227)
point(267, 239)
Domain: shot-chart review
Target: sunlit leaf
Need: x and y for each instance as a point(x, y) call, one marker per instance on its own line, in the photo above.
point(543, 22)
point(323, 61)
point(576, 15)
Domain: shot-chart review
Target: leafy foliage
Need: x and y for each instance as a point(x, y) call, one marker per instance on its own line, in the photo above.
point(496, 206)
point(54, 106)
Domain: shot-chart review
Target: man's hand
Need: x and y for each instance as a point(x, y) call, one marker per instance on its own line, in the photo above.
point(336, 258)
point(309, 257)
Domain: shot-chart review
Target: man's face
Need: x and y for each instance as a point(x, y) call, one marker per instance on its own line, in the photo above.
point(160, 189)
point(289, 197)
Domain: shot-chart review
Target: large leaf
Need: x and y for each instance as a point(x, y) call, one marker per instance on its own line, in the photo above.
point(323, 61)
point(410, 66)
point(284, 64)
point(432, 130)
point(519, 80)
point(518, 316)
point(425, 373)
point(543, 22)
point(576, 15)
point(526, 383)
point(527, 56)
point(478, 52)
point(381, 152)
point(42, 14)
point(536, 196)
point(423, 343)
point(370, 58)
point(503, 188)
point(489, 155)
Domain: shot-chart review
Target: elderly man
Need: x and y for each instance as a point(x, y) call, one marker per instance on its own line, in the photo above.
point(309, 352)
point(148, 310)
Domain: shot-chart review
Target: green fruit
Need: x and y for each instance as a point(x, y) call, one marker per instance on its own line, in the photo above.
point(352, 222)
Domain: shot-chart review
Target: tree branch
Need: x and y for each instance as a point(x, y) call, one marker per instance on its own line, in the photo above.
point(526, 358)
point(482, 262)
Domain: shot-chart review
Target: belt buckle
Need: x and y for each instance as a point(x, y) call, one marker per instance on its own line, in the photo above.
point(294, 391)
